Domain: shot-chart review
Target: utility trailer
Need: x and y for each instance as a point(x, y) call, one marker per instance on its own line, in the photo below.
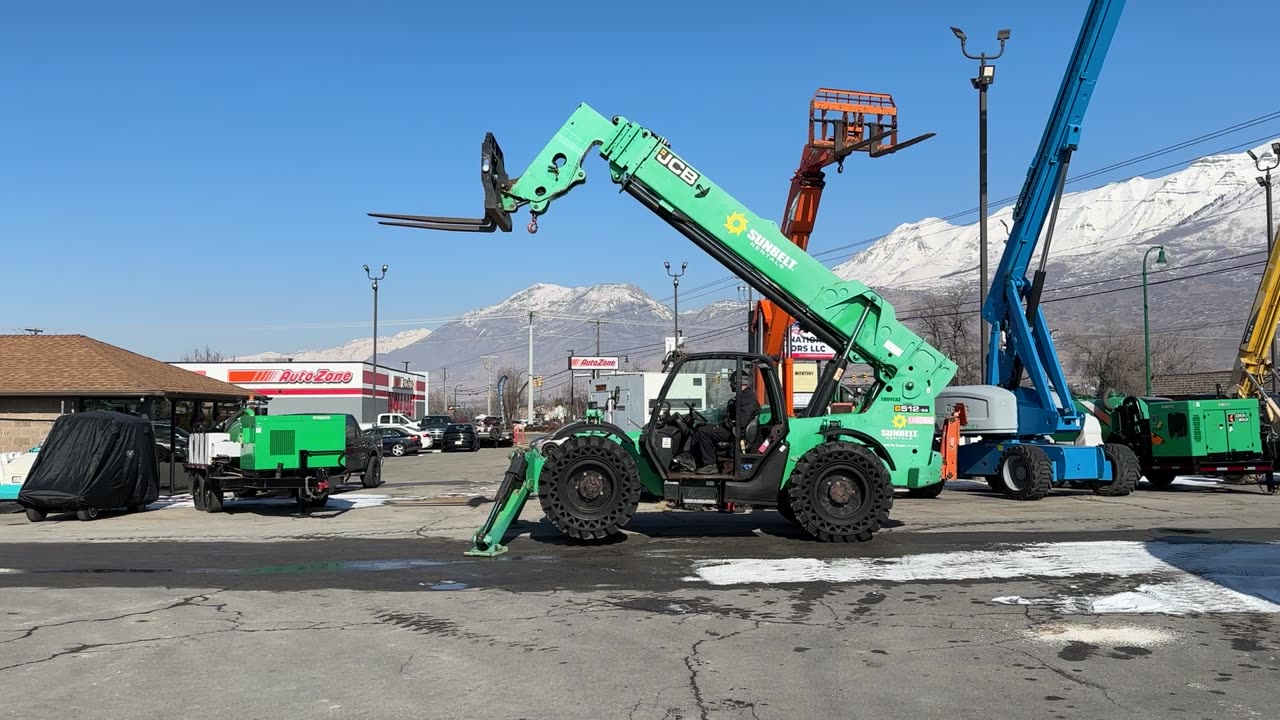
point(300, 456)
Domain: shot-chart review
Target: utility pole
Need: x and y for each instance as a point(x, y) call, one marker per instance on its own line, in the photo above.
point(375, 334)
point(488, 392)
point(528, 418)
point(986, 76)
point(1265, 182)
point(675, 291)
point(595, 374)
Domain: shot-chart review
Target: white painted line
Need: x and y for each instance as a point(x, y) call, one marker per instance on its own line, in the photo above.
point(10, 571)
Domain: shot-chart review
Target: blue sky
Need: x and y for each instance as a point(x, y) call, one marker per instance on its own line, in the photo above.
point(173, 176)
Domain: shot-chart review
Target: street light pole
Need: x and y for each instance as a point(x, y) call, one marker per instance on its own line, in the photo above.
point(1265, 182)
point(375, 333)
point(986, 76)
point(488, 390)
point(1146, 323)
point(675, 292)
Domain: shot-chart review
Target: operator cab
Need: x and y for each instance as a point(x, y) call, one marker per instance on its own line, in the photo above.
point(696, 413)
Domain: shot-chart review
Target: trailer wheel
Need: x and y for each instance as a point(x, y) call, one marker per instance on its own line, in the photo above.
point(1125, 471)
point(1160, 479)
point(589, 488)
point(34, 515)
point(212, 495)
point(197, 491)
point(840, 492)
point(1025, 472)
point(372, 476)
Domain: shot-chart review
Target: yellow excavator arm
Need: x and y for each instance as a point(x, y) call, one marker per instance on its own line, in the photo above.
point(1254, 361)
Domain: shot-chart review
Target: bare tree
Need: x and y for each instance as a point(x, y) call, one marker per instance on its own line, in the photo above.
point(1112, 359)
point(948, 321)
point(205, 354)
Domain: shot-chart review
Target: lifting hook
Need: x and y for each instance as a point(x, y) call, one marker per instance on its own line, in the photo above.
point(532, 227)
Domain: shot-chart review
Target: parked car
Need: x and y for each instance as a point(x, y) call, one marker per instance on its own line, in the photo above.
point(181, 440)
point(424, 438)
point(398, 441)
point(434, 426)
point(459, 436)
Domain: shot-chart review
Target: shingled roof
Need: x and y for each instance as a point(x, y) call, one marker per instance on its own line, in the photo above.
point(1180, 385)
point(77, 365)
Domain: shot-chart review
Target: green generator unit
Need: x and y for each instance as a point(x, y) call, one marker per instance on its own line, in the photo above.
point(274, 442)
point(1211, 429)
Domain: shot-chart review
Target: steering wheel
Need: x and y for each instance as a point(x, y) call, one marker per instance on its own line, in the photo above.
point(693, 412)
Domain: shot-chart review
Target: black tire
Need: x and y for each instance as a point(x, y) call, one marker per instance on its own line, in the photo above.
point(1025, 472)
point(926, 492)
point(137, 508)
point(34, 515)
point(1125, 471)
point(589, 488)
point(784, 508)
point(320, 501)
point(197, 492)
point(86, 514)
point(1160, 479)
point(995, 483)
point(840, 492)
point(372, 476)
point(212, 496)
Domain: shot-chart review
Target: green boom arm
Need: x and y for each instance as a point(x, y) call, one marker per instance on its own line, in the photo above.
point(847, 315)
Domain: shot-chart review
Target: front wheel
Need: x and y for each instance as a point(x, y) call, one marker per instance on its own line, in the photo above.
point(926, 492)
point(34, 515)
point(1161, 479)
point(840, 492)
point(1125, 471)
point(589, 488)
point(1026, 472)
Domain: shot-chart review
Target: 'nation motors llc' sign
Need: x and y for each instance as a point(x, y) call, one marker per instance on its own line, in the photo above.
point(806, 346)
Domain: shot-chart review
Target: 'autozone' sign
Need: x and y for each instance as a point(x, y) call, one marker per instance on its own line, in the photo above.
point(321, 376)
point(593, 363)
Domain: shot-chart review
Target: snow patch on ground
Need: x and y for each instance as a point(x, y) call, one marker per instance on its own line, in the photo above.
point(1134, 635)
point(1176, 578)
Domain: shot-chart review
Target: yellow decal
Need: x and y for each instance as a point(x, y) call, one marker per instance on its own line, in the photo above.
point(735, 223)
point(899, 421)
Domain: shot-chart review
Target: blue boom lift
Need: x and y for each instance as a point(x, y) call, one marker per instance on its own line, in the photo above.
point(1015, 422)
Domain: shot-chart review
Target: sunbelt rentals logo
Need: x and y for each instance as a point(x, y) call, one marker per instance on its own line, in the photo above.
point(736, 224)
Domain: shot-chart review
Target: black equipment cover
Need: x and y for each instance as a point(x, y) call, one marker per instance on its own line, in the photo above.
point(97, 459)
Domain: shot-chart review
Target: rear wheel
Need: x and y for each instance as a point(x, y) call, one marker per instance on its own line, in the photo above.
point(589, 488)
point(840, 492)
point(212, 495)
point(1160, 479)
point(1125, 471)
point(197, 492)
point(90, 513)
point(397, 449)
point(34, 515)
point(1025, 472)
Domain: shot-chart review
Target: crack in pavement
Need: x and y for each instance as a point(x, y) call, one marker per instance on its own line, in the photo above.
point(190, 600)
point(692, 658)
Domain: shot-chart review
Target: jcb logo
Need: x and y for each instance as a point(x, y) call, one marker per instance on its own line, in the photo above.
point(678, 167)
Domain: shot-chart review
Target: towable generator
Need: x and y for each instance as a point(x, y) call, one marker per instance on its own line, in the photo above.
point(832, 474)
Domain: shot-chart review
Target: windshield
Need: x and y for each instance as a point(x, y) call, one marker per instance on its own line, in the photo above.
point(434, 421)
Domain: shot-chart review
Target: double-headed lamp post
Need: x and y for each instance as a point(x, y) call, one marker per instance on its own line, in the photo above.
point(1265, 165)
point(375, 334)
point(986, 76)
point(675, 294)
point(1146, 323)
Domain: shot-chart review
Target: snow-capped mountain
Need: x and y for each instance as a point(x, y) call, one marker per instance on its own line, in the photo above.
point(627, 322)
point(1213, 206)
point(358, 349)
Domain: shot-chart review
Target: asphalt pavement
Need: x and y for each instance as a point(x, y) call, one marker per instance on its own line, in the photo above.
point(1161, 604)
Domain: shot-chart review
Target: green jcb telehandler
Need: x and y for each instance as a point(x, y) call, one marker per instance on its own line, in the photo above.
point(832, 474)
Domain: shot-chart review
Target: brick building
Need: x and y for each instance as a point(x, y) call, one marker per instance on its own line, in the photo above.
point(44, 376)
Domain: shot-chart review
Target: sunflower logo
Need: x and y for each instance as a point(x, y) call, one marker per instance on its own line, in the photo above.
point(899, 421)
point(736, 223)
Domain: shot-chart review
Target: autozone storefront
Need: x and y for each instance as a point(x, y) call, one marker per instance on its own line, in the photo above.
point(318, 387)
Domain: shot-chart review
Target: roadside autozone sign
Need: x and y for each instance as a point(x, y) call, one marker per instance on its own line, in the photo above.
point(593, 363)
